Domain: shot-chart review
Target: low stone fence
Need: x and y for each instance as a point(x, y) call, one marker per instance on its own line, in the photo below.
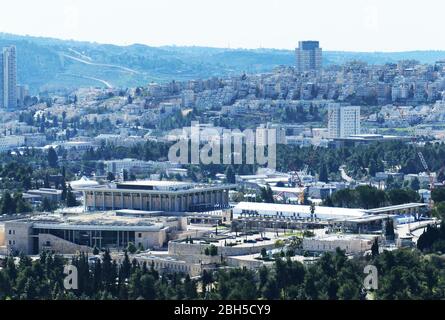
point(181, 249)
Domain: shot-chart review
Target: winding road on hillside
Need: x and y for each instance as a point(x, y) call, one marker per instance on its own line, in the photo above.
point(104, 82)
point(100, 64)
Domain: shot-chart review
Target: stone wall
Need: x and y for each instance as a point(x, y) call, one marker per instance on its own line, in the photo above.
point(151, 239)
point(241, 263)
point(349, 245)
point(59, 245)
point(181, 249)
point(18, 237)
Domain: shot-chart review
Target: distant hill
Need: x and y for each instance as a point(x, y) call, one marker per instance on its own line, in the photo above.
point(45, 63)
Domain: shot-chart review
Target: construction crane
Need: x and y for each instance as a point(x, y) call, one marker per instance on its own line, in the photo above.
point(295, 180)
point(427, 169)
point(295, 177)
point(419, 154)
point(314, 150)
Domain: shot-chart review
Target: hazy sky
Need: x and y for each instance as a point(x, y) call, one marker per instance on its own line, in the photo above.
point(349, 25)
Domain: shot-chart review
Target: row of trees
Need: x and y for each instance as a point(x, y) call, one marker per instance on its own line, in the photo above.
point(438, 196)
point(402, 274)
point(30, 169)
point(11, 204)
point(433, 239)
point(149, 150)
point(363, 160)
point(370, 197)
point(103, 280)
point(360, 161)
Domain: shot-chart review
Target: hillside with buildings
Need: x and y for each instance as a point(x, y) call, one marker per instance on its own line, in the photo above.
point(51, 64)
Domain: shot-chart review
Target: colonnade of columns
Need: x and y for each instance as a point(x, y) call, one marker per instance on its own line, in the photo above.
point(112, 200)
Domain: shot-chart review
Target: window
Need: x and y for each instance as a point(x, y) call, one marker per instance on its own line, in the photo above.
point(10, 231)
point(140, 235)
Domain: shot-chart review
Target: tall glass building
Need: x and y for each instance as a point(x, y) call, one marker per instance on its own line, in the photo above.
point(309, 56)
point(8, 78)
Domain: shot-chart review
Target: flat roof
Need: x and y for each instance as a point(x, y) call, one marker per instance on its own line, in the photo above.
point(94, 221)
point(149, 256)
point(131, 211)
point(133, 188)
point(253, 176)
point(288, 190)
point(371, 137)
point(337, 237)
point(154, 183)
point(397, 207)
point(237, 241)
point(45, 191)
point(292, 208)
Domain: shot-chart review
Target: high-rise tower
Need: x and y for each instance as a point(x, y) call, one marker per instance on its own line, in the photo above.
point(344, 121)
point(309, 56)
point(8, 78)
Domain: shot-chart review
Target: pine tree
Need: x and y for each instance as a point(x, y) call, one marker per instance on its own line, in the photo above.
point(46, 205)
point(267, 194)
point(64, 190)
point(148, 287)
point(190, 288)
point(70, 198)
point(46, 181)
point(323, 174)
point(107, 270)
point(126, 266)
point(206, 279)
point(97, 276)
point(375, 248)
point(8, 204)
point(135, 285)
point(131, 248)
point(52, 158)
point(29, 291)
point(230, 175)
point(110, 176)
point(372, 168)
point(415, 184)
point(389, 230)
point(21, 205)
point(63, 173)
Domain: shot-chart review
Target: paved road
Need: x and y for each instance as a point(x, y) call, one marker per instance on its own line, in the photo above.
point(100, 64)
point(344, 175)
point(106, 83)
point(84, 57)
point(404, 229)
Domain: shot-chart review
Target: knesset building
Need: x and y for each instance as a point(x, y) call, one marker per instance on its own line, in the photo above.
point(166, 196)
